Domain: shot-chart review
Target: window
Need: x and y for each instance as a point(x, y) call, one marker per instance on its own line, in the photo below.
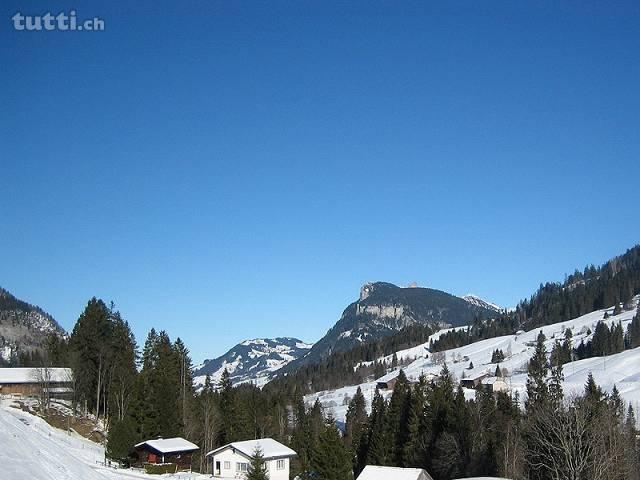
point(280, 465)
point(227, 465)
point(242, 467)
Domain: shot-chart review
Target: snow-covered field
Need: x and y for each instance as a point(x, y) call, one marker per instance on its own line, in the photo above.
point(622, 369)
point(31, 449)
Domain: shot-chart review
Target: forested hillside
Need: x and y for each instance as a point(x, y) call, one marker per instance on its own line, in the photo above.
point(594, 288)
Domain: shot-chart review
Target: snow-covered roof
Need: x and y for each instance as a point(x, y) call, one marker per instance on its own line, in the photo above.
point(492, 380)
point(372, 472)
point(482, 478)
point(30, 375)
point(170, 445)
point(269, 447)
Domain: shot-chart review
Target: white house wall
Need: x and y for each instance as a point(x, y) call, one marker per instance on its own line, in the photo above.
point(229, 456)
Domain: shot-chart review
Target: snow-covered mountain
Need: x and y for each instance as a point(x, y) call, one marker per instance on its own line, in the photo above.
point(621, 369)
point(479, 302)
point(383, 309)
point(23, 327)
point(253, 360)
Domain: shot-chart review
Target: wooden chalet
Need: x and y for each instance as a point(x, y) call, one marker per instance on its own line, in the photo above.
point(161, 451)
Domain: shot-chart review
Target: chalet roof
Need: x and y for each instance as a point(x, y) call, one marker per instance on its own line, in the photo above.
point(30, 375)
point(170, 445)
point(372, 472)
point(270, 448)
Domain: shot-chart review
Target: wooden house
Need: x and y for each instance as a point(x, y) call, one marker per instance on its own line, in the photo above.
point(387, 384)
point(473, 382)
point(30, 382)
point(232, 461)
point(162, 451)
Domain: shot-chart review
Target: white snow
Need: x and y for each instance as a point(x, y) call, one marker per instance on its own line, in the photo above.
point(622, 369)
point(31, 449)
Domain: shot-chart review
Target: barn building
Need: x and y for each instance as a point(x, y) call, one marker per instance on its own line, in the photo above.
point(389, 384)
point(473, 382)
point(176, 451)
point(29, 382)
point(232, 461)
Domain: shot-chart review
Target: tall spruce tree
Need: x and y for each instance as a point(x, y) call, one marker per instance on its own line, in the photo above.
point(356, 424)
point(331, 460)
point(537, 389)
point(89, 348)
point(396, 419)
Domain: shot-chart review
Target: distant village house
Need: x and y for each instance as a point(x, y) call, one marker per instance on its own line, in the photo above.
point(495, 384)
point(473, 382)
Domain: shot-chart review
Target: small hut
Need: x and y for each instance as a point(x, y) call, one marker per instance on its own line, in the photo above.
point(162, 451)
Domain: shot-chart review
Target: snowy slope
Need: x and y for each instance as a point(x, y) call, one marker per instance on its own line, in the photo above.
point(31, 449)
point(622, 369)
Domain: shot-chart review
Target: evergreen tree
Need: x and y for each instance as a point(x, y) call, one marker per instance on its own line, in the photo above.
point(537, 390)
point(88, 347)
point(376, 447)
point(616, 404)
point(122, 437)
point(556, 394)
point(396, 419)
point(331, 460)
point(633, 331)
point(356, 424)
point(228, 410)
point(257, 466)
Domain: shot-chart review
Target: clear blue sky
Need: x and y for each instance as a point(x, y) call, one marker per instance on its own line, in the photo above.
point(226, 169)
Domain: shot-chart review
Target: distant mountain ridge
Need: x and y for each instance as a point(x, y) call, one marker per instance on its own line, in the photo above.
point(384, 308)
point(23, 327)
point(253, 360)
point(476, 300)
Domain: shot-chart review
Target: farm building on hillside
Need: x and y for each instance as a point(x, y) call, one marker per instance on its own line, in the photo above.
point(30, 382)
point(232, 461)
point(372, 472)
point(177, 451)
point(473, 382)
point(387, 384)
point(495, 384)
